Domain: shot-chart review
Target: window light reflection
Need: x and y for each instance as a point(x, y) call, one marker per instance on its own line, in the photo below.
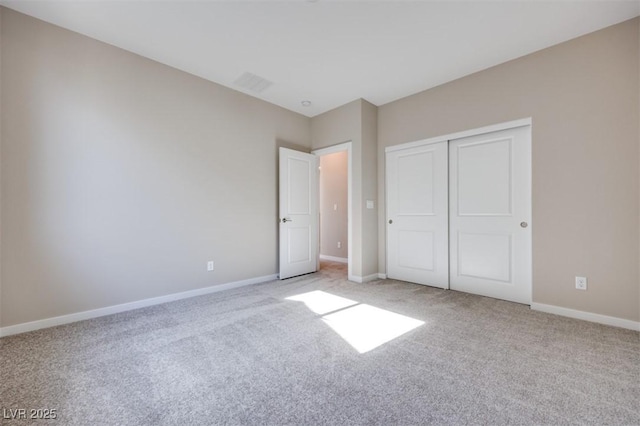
point(322, 303)
point(363, 326)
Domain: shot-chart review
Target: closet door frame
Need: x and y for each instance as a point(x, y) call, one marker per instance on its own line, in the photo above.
point(459, 135)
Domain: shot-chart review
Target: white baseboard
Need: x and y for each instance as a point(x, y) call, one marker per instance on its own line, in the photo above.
point(382, 276)
point(334, 259)
point(359, 279)
point(586, 316)
point(95, 313)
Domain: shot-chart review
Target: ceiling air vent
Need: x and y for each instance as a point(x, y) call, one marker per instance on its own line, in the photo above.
point(253, 82)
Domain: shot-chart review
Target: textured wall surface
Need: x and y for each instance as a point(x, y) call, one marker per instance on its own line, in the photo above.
point(122, 177)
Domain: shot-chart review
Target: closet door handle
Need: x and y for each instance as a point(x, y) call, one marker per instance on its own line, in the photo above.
point(524, 224)
point(390, 221)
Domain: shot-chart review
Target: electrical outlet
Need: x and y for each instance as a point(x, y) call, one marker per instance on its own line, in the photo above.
point(210, 265)
point(339, 244)
point(581, 283)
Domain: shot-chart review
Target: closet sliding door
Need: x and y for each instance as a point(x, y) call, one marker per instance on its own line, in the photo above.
point(490, 212)
point(417, 215)
point(459, 212)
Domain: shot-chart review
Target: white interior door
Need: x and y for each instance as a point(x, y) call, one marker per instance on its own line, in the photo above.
point(417, 210)
point(298, 213)
point(490, 214)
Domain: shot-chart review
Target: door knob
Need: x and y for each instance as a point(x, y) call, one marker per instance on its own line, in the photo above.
point(390, 221)
point(286, 219)
point(524, 224)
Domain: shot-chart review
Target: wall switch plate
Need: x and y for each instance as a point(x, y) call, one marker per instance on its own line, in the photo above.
point(581, 283)
point(369, 204)
point(339, 244)
point(210, 265)
point(335, 207)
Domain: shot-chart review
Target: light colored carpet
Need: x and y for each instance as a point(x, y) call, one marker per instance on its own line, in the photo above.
point(250, 356)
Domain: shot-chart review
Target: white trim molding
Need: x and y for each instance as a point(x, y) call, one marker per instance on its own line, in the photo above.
point(382, 276)
point(463, 134)
point(360, 280)
point(587, 316)
point(109, 310)
point(334, 259)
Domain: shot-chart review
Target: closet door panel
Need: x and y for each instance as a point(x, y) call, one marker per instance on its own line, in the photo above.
point(490, 214)
point(417, 215)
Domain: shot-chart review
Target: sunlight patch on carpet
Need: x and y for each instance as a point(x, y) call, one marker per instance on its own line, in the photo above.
point(321, 302)
point(364, 327)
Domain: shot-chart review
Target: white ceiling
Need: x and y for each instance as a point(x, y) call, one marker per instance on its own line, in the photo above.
point(332, 52)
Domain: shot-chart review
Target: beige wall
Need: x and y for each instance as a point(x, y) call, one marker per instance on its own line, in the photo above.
point(369, 122)
point(583, 98)
point(122, 177)
point(356, 122)
point(333, 192)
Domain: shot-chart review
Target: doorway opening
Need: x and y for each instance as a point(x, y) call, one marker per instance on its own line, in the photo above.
point(334, 204)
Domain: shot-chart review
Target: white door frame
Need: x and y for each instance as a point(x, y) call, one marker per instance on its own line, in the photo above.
point(458, 135)
point(345, 146)
point(463, 134)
